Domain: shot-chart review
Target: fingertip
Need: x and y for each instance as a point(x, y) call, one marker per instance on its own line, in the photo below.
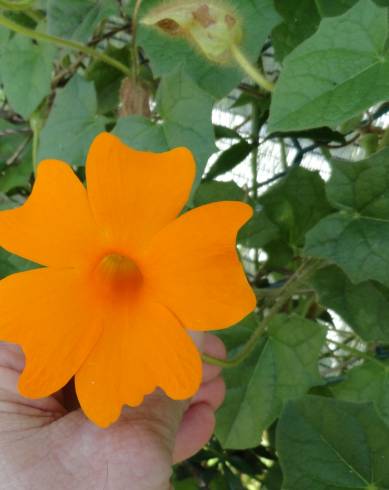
point(197, 427)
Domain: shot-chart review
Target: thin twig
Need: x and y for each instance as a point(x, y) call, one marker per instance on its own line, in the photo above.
point(12, 131)
point(19, 150)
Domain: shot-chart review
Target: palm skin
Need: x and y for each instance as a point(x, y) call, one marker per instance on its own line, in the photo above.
point(49, 444)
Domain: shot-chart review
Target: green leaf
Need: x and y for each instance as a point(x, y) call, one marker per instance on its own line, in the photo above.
point(367, 383)
point(331, 8)
point(301, 19)
point(364, 306)
point(362, 186)
point(225, 132)
point(4, 37)
point(235, 337)
point(108, 79)
point(26, 69)
point(296, 204)
point(72, 123)
point(7, 202)
point(166, 53)
point(77, 19)
point(357, 238)
point(326, 444)
point(358, 245)
point(10, 264)
point(259, 231)
point(229, 159)
point(280, 254)
point(273, 480)
point(287, 210)
point(16, 176)
point(10, 143)
point(282, 368)
point(214, 191)
point(187, 484)
point(318, 135)
point(186, 113)
point(340, 71)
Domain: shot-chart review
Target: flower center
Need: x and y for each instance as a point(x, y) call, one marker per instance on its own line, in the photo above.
point(117, 276)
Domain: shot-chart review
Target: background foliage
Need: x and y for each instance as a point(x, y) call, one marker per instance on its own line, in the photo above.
point(307, 404)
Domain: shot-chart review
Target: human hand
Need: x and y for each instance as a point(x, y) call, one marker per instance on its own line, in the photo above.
point(49, 443)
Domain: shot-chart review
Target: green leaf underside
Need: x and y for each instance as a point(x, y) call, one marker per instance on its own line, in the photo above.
point(282, 368)
point(25, 69)
point(166, 53)
point(186, 121)
point(72, 123)
point(327, 444)
point(229, 159)
point(340, 71)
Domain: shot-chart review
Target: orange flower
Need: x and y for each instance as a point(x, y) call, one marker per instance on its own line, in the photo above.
point(124, 278)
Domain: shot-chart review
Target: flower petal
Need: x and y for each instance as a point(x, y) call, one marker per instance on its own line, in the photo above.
point(134, 194)
point(49, 313)
point(138, 352)
point(192, 267)
point(55, 226)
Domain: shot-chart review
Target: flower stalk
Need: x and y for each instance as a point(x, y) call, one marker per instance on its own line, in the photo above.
point(252, 71)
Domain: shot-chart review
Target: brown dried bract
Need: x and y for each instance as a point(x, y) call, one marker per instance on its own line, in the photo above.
point(230, 21)
point(170, 26)
point(203, 16)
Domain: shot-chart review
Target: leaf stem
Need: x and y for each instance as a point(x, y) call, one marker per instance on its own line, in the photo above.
point(16, 5)
point(251, 70)
point(63, 43)
point(307, 267)
point(284, 157)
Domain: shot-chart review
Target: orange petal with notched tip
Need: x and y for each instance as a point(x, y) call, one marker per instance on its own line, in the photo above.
point(140, 350)
point(192, 267)
point(134, 194)
point(49, 313)
point(55, 226)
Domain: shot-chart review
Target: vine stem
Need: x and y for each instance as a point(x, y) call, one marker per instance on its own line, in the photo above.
point(356, 352)
point(256, 126)
point(249, 68)
point(63, 43)
point(134, 50)
point(306, 268)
